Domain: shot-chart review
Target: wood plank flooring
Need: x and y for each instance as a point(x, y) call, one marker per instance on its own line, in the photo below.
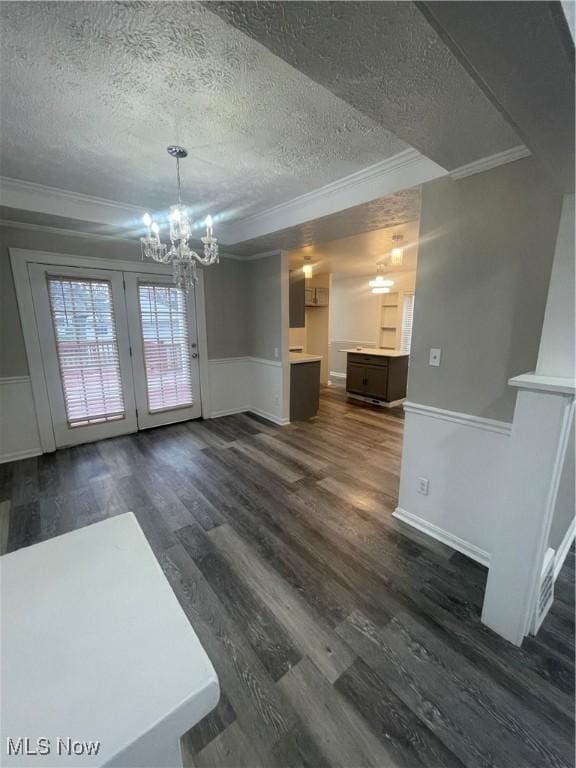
point(340, 636)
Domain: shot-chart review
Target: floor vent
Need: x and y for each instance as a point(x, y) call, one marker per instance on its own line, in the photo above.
point(546, 593)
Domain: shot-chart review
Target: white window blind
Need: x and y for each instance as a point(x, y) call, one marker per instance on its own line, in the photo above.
point(164, 321)
point(87, 349)
point(407, 318)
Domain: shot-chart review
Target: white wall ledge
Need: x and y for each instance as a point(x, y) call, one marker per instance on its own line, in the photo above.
point(557, 384)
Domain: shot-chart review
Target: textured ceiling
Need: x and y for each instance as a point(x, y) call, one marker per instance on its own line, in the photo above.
point(93, 92)
point(399, 208)
point(385, 59)
point(390, 211)
point(359, 254)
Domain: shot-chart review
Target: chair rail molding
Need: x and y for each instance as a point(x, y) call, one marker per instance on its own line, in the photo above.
point(467, 419)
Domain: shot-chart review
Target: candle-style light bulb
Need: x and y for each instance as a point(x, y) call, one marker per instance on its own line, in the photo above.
point(147, 219)
point(209, 225)
point(155, 228)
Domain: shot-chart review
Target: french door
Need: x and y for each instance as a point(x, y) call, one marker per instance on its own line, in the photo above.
point(119, 351)
point(164, 348)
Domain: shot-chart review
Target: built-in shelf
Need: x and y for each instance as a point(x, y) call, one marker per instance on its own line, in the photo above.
point(389, 320)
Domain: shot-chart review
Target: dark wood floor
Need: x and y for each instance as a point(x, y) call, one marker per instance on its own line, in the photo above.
point(340, 637)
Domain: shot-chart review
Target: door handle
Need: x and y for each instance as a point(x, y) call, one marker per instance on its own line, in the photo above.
point(194, 355)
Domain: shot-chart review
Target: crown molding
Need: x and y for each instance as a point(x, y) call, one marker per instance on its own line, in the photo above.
point(28, 196)
point(492, 161)
point(61, 231)
point(10, 224)
point(402, 171)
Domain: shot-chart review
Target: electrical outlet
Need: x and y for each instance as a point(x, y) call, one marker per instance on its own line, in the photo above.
point(276, 352)
point(277, 399)
point(423, 486)
point(435, 355)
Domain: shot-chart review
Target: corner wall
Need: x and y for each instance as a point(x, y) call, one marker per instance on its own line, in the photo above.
point(484, 262)
point(254, 381)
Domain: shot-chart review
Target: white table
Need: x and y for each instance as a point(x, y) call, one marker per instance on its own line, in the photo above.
point(95, 647)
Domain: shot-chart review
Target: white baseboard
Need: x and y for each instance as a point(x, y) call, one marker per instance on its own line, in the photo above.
point(19, 438)
point(269, 416)
point(470, 550)
point(229, 412)
point(18, 455)
point(337, 375)
point(564, 548)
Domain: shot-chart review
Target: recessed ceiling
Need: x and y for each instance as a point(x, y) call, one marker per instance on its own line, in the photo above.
point(393, 210)
point(358, 255)
point(93, 92)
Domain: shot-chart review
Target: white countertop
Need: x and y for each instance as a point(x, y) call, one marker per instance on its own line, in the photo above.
point(303, 357)
point(96, 647)
point(376, 352)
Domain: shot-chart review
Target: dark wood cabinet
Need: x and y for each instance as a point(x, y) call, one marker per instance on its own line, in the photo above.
point(296, 299)
point(377, 377)
point(304, 390)
point(376, 381)
point(355, 378)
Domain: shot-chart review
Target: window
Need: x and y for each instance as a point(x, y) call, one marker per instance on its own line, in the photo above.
point(407, 318)
point(164, 322)
point(87, 349)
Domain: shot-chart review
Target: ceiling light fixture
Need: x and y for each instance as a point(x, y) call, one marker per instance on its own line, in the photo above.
point(397, 252)
point(307, 269)
point(381, 290)
point(380, 281)
point(180, 255)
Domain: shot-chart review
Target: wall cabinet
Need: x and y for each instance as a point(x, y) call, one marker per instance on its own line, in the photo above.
point(297, 309)
point(316, 297)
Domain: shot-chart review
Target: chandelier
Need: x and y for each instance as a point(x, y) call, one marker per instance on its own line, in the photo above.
point(380, 284)
point(182, 257)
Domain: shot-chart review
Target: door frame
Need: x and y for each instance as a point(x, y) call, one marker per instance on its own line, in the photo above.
point(173, 415)
point(20, 260)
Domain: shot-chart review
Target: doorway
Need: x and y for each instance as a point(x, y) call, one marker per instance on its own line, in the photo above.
point(118, 349)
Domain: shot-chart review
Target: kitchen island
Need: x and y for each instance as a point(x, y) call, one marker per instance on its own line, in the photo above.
point(304, 385)
point(376, 375)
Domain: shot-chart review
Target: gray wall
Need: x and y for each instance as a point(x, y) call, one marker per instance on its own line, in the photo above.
point(484, 262)
point(265, 307)
point(227, 309)
point(228, 316)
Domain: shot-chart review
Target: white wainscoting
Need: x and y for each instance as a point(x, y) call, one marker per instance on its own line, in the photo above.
point(462, 456)
point(18, 426)
point(239, 384)
point(338, 358)
point(229, 382)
